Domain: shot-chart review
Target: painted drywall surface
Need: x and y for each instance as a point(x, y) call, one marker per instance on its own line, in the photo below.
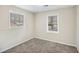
point(77, 28)
point(66, 33)
point(10, 37)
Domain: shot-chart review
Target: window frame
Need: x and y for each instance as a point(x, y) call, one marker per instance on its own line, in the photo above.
point(16, 12)
point(57, 23)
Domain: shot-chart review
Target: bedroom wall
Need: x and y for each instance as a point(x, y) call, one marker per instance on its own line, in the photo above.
point(67, 26)
point(77, 28)
point(12, 37)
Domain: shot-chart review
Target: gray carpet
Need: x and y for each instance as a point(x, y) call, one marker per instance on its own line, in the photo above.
point(41, 46)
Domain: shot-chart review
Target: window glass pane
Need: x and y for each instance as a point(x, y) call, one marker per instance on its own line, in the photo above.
point(16, 19)
point(52, 23)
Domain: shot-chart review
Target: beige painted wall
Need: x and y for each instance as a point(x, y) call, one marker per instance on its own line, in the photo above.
point(11, 37)
point(67, 25)
point(77, 28)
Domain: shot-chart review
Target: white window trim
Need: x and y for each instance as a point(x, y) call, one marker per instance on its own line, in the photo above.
point(57, 23)
point(11, 11)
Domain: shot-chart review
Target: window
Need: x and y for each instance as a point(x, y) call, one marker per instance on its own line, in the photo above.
point(16, 19)
point(52, 24)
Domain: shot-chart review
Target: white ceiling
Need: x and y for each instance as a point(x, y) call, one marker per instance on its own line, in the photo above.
point(41, 8)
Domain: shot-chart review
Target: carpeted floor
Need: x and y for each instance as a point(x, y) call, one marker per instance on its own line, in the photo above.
point(41, 46)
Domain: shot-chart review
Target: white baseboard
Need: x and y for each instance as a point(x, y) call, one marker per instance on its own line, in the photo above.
point(17, 43)
point(56, 41)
